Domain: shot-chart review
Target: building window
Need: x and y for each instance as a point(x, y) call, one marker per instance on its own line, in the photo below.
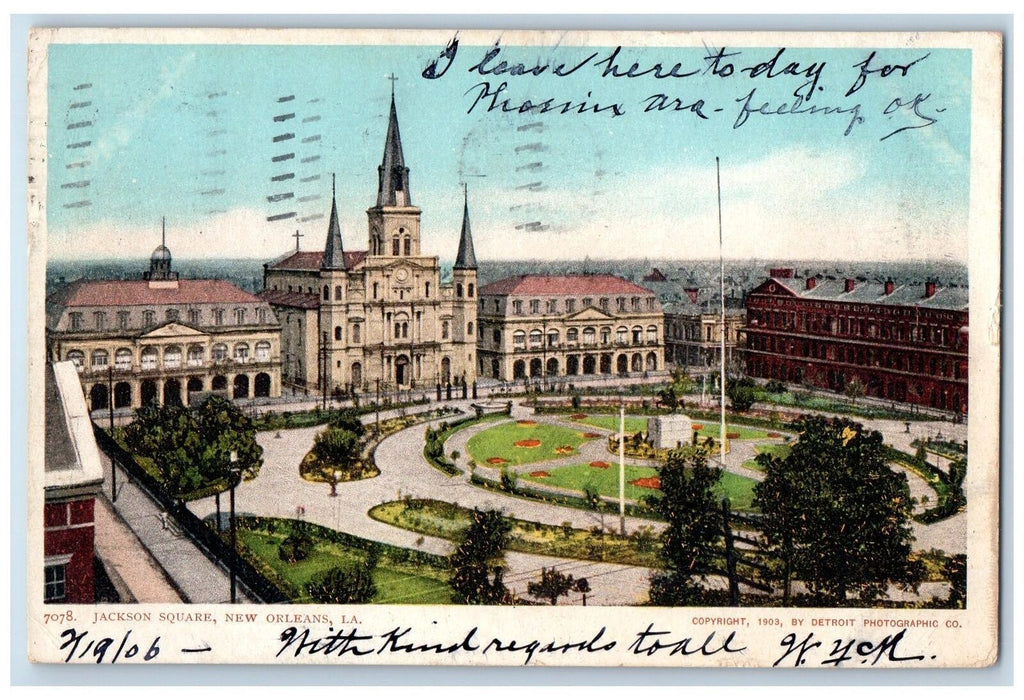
point(519, 340)
point(337, 292)
point(572, 335)
point(552, 338)
point(241, 352)
point(149, 357)
point(356, 333)
point(622, 335)
point(218, 317)
point(337, 332)
point(101, 320)
point(100, 359)
point(570, 306)
point(395, 243)
point(637, 335)
point(517, 307)
point(458, 290)
point(426, 289)
point(606, 335)
point(445, 330)
point(636, 303)
point(195, 316)
point(650, 303)
point(408, 246)
point(263, 351)
point(77, 357)
point(171, 315)
point(172, 357)
point(552, 306)
point(604, 304)
point(77, 323)
point(588, 336)
point(536, 338)
point(261, 315)
point(470, 290)
point(327, 293)
point(195, 355)
point(55, 583)
point(239, 317)
point(587, 301)
point(374, 290)
point(122, 319)
point(652, 334)
point(497, 336)
point(219, 353)
point(469, 329)
point(123, 359)
point(534, 306)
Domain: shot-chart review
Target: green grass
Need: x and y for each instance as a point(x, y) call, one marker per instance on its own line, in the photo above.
point(634, 424)
point(449, 521)
point(500, 440)
point(579, 477)
point(776, 450)
point(396, 583)
point(745, 433)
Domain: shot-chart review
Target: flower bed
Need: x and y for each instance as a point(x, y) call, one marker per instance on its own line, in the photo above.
point(540, 474)
point(647, 482)
point(600, 465)
point(578, 416)
point(697, 426)
point(565, 450)
point(497, 460)
point(528, 443)
point(526, 423)
point(774, 435)
point(732, 436)
point(591, 435)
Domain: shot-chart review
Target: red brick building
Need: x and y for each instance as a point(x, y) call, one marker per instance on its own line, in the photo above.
point(906, 343)
point(73, 479)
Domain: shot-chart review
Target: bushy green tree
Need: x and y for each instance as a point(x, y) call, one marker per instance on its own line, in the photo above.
point(836, 515)
point(478, 562)
point(348, 419)
point(192, 448)
point(690, 541)
point(337, 452)
point(340, 585)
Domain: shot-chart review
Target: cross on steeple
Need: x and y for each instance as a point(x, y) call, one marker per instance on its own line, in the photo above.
point(392, 77)
point(297, 236)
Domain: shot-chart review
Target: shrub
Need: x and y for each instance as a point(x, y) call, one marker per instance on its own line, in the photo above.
point(294, 548)
point(340, 585)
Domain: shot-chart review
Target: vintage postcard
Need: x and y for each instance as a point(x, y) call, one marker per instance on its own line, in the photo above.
point(514, 348)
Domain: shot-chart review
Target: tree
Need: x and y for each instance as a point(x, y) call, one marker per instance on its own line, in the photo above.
point(348, 419)
point(668, 398)
point(836, 515)
point(742, 393)
point(336, 450)
point(690, 541)
point(340, 585)
point(854, 389)
point(478, 563)
point(192, 448)
point(554, 584)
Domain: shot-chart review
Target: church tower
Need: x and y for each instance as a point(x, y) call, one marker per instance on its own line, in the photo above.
point(394, 221)
point(333, 302)
point(464, 304)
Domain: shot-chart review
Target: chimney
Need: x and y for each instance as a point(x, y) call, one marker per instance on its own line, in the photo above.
point(692, 293)
point(850, 284)
point(889, 287)
point(929, 289)
point(812, 282)
point(783, 273)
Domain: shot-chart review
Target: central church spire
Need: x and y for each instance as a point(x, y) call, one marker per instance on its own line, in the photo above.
point(393, 188)
point(334, 252)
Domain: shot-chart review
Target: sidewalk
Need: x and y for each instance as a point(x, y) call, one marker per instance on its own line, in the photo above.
point(197, 579)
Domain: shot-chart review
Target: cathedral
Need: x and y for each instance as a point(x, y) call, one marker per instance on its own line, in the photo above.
point(356, 321)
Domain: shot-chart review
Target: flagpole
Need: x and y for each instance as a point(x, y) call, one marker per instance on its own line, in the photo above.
point(721, 279)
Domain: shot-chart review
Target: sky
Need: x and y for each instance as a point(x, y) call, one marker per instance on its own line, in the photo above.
point(236, 145)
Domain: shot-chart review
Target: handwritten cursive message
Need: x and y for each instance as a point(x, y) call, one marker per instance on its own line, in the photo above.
point(733, 86)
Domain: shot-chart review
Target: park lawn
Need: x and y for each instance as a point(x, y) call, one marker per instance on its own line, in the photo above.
point(709, 429)
point(500, 440)
point(776, 450)
point(634, 424)
point(579, 477)
point(396, 583)
point(449, 521)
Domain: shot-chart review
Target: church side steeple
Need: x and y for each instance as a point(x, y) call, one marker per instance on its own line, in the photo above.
point(466, 258)
point(334, 252)
point(393, 176)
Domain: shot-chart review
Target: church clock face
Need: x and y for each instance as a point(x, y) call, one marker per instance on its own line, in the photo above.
point(402, 274)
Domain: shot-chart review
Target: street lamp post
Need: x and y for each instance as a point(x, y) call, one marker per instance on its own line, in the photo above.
point(236, 476)
point(110, 405)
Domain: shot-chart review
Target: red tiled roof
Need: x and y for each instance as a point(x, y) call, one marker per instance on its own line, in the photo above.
point(576, 285)
point(138, 293)
point(312, 259)
point(298, 300)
